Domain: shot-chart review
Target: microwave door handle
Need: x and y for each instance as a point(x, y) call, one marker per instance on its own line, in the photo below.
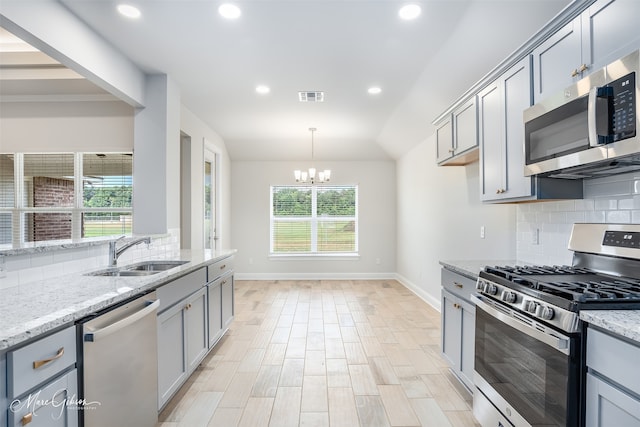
point(592, 117)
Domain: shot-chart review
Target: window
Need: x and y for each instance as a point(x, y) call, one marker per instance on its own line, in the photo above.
point(314, 220)
point(61, 196)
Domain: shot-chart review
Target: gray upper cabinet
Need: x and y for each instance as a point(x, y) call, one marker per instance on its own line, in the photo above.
point(604, 32)
point(457, 135)
point(556, 61)
point(501, 133)
point(444, 141)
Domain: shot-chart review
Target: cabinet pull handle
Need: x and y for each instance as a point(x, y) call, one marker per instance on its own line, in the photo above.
point(458, 285)
point(222, 267)
point(188, 306)
point(27, 419)
point(224, 282)
point(39, 363)
point(583, 67)
point(574, 73)
point(456, 305)
point(451, 150)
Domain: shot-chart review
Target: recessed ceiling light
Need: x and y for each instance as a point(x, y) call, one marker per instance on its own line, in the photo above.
point(229, 11)
point(129, 11)
point(374, 90)
point(262, 89)
point(409, 12)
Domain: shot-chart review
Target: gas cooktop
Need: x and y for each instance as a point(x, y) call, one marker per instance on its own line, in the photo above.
point(577, 284)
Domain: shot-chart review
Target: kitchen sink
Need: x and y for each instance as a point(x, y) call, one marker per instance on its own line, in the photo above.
point(144, 268)
point(154, 266)
point(120, 272)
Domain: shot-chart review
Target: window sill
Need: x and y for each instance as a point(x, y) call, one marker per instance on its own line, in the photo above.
point(314, 257)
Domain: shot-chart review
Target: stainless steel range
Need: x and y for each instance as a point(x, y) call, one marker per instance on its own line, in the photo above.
point(529, 345)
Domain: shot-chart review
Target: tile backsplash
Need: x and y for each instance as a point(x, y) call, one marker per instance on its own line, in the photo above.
point(543, 228)
point(30, 267)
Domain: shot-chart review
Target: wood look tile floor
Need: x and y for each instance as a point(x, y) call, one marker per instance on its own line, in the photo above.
point(324, 353)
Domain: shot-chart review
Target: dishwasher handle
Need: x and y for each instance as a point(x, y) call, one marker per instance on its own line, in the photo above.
point(121, 324)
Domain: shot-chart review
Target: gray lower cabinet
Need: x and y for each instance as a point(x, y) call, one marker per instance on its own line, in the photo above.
point(214, 302)
point(228, 308)
point(458, 325)
point(195, 311)
point(3, 390)
point(42, 382)
point(52, 405)
point(613, 381)
point(182, 343)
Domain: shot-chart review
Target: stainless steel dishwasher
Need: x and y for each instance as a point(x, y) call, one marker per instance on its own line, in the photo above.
point(119, 365)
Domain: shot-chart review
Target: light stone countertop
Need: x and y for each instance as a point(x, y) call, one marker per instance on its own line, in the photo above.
point(30, 310)
point(625, 323)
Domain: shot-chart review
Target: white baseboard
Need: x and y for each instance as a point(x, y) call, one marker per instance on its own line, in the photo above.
point(314, 276)
point(420, 293)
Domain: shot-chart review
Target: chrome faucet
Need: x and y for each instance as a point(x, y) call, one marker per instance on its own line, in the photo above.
point(115, 253)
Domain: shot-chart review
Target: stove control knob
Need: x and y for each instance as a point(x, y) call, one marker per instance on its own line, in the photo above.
point(480, 286)
point(508, 296)
point(490, 289)
point(546, 313)
point(531, 307)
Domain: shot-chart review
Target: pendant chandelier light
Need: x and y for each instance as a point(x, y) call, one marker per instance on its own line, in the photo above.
point(310, 175)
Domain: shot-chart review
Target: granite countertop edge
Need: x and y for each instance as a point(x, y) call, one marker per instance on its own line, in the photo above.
point(625, 323)
point(34, 309)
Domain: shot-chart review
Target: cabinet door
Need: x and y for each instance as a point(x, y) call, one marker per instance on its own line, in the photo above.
point(3, 391)
point(555, 60)
point(451, 324)
point(214, 306)
point(465, 131)
point(610, 31)
point(50, 406)
point(172, 365)
point(444, 141)
point(491, 142)
point(226, 285)
point(516, 97)
point(467, 342)
point(197, 342)
point(608, 406)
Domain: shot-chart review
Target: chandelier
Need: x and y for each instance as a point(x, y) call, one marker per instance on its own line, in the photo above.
point(310, 175)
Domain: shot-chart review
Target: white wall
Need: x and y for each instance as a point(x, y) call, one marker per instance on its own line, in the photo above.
point(66, 126)
point(199, 133)
point(439, 218)
point(250, 186)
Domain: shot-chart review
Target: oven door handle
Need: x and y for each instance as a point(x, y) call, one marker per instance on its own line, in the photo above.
point(560, 344)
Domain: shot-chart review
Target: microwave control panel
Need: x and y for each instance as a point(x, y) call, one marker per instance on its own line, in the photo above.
point(623, 118)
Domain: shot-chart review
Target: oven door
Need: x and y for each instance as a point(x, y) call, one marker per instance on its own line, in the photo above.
point(529, 372)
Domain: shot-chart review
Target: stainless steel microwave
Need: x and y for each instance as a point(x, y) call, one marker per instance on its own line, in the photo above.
point(590, 128)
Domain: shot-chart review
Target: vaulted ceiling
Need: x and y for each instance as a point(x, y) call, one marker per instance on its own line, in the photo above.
point(340, 47)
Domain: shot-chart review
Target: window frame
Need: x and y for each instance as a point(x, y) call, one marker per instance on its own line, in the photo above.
point(314, 219)
point(19, 210)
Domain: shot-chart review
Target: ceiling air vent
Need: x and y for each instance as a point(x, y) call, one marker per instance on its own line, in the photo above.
point(311, 96)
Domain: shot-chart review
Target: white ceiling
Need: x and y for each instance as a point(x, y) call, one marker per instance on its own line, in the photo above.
point(341, 47)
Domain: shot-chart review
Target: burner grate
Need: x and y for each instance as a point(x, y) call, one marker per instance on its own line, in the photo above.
point(577, 284)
